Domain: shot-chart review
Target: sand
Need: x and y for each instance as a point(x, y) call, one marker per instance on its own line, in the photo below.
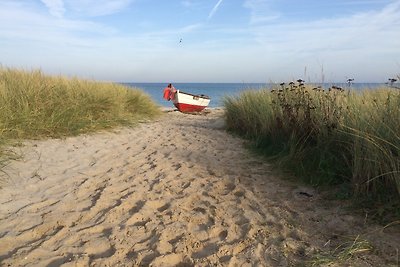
point(179, 191)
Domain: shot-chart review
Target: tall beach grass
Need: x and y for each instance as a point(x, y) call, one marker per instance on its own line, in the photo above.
point(33, 105)
point(328, 137)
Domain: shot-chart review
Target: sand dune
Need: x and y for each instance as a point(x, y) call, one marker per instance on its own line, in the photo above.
point(176, 192)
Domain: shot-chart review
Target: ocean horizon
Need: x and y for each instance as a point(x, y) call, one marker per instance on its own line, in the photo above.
point(217, 91)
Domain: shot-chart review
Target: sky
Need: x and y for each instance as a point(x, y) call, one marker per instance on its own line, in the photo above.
point(203, 40)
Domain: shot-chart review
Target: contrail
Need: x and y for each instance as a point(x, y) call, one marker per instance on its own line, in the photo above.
point(212, 12)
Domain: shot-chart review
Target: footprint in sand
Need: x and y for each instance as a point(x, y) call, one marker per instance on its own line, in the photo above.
point(139, 205)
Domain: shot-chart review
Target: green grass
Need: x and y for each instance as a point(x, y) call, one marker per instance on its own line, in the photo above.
point(327, 137)
point(343, 253)
point(34, 106)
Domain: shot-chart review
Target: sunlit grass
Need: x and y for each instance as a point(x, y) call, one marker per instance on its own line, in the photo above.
point(36, 106)
point(328, 137)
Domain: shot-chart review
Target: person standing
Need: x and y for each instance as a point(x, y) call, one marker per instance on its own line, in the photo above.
point(169, 92)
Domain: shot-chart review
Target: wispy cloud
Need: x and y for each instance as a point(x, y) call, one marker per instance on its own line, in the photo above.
point(190, 28)
point(23, 22)
point(56, 7)
point(260, 11)
point(61, 36)
point(359, 30)
point(215, 8)
point(97, 7)
point(189, 3)
point(364, 42)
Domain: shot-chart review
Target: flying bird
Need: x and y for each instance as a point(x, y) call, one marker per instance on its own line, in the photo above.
point(180, 41)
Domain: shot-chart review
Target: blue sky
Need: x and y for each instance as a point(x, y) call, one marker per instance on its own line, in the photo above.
point(222, 40)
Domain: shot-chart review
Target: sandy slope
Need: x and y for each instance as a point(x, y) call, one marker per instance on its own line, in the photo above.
point(178, 191)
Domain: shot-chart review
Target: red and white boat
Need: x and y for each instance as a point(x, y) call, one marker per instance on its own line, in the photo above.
point(186, 102)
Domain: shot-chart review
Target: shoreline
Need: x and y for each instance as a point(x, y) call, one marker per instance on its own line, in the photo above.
point(178, 190)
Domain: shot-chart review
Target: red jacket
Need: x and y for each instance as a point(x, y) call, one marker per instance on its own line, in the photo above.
point(169, 93)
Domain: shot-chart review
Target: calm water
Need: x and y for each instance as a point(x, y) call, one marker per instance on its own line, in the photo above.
point(218, 90)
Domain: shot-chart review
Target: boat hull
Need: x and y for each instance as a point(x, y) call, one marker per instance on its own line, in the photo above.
point(186, 102)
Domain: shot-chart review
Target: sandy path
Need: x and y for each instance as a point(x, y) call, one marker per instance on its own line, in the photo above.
point(179, 191)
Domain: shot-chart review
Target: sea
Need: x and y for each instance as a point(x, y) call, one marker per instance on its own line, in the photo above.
point(217, 91)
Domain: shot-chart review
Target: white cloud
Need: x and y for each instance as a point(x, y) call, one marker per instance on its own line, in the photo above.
point(347, 33)
point(365, 42)
point(190, 28)
point(24, 22)
point(260, 11)
point(97, 7)
point(189, 3)
point(56, 7)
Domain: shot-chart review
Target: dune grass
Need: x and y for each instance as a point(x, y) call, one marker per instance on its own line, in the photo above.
point(328, 137)
point(344, 252)
point(34, 106)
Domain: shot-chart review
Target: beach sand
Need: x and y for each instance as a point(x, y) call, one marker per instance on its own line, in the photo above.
point(179, 191)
